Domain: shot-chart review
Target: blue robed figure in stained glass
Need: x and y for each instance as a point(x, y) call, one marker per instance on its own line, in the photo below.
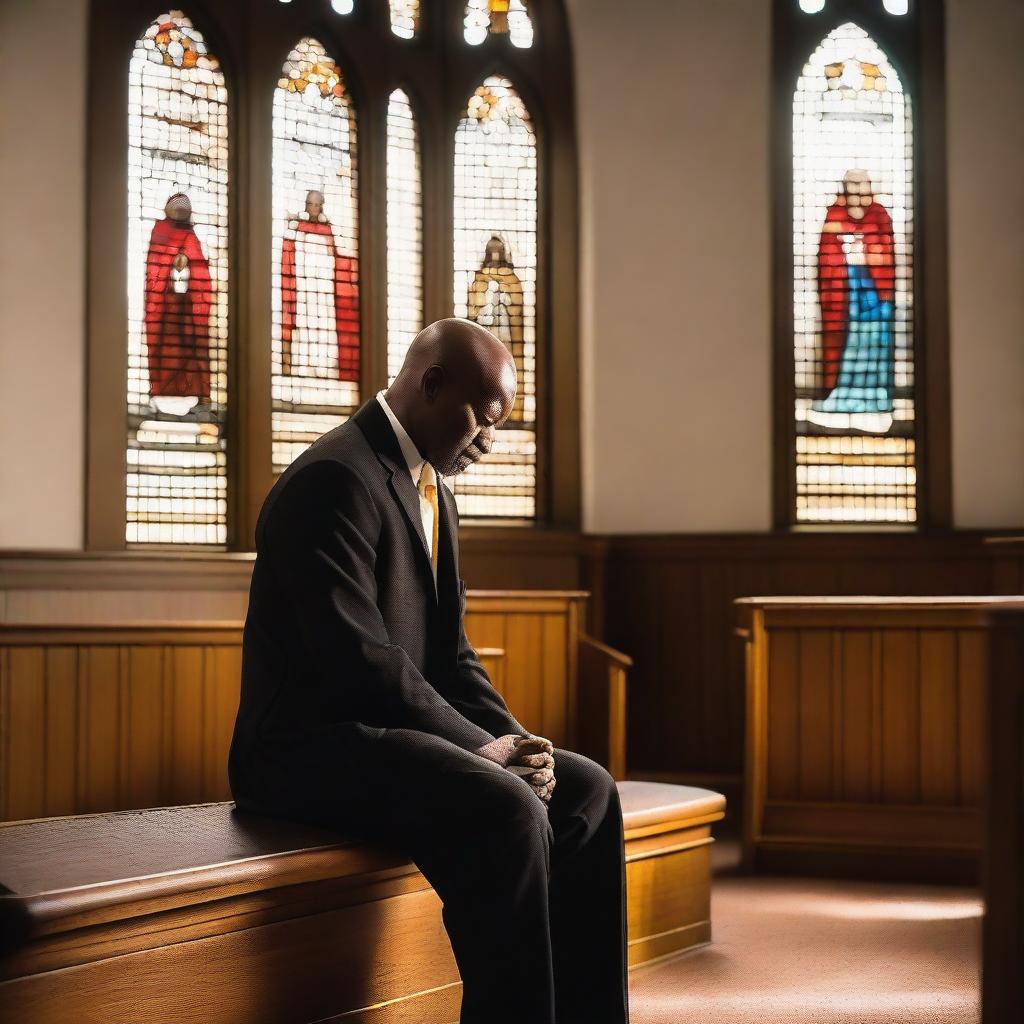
point(855, 281)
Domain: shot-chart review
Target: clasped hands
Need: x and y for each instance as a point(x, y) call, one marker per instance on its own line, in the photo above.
point(530, 757)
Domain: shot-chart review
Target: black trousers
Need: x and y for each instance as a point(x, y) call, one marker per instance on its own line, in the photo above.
point(534, 894)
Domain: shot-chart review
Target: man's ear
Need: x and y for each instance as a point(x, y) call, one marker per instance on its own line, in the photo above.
point(432, 381)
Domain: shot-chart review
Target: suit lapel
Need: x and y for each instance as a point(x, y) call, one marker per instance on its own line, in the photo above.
point(373, 422)
point(447, 541)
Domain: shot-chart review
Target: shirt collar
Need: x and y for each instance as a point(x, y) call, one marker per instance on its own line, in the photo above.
point(412, 455)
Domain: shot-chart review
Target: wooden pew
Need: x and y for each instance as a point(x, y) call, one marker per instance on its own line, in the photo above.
point(865, 734)
point(1002, 984)
point(203, 913)
point(104, 716)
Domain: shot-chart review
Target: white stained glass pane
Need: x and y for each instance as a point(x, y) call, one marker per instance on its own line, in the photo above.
point(405, 232)
point(315, 341)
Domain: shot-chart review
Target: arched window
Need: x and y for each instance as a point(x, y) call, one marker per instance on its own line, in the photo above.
point(176, 479)
point(853, 292)
point(361, 169)
point(856, 443)
point(405, 231)
point(315, 285)
point(496, 281)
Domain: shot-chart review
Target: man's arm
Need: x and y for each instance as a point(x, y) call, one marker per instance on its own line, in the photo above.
point(321, 538)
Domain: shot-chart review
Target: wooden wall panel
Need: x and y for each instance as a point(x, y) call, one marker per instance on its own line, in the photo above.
point(857, 714)
point(938, 751)
point(665, 600)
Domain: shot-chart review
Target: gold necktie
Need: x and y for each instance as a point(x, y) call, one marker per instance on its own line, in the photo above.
point(427, 486)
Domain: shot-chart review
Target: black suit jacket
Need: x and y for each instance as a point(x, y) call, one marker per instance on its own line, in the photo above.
point(346, 633)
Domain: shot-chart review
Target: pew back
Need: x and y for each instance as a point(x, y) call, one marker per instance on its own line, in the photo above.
point(106, 716)
point(865, 733)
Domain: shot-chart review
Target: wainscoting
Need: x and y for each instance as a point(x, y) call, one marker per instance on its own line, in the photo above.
point(668, 603)
point(665, 600)
point(107, 716)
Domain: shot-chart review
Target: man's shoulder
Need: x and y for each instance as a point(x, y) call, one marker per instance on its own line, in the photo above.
point(341, 457)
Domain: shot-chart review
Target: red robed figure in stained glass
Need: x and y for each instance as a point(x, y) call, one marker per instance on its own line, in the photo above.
point(178, 298)
point(319, 299)
point(855, 213)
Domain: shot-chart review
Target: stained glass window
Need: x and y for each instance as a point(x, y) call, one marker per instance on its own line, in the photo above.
point(496, 282)
point(405, 232)
point(176, 480)
point(405, 17)
point(315, 287)
point(853, 258)
point(499, 16)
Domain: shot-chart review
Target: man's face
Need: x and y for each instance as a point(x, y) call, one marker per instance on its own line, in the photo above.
point(314, 204)
point(466, 423)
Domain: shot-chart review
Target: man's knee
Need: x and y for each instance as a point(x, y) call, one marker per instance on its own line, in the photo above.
point(502, 813)
point(585, 782)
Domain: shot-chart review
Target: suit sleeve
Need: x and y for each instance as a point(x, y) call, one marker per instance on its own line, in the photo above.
point(320, 538)
point(472, 691)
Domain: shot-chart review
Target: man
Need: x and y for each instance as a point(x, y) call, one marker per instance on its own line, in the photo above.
point(365, 708)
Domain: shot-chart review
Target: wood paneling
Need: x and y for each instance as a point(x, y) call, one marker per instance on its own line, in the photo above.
point(1002, 983)
point(867, 733)
point(665, 600)
point(98, 718)
point(104, 717)
point(668, 604)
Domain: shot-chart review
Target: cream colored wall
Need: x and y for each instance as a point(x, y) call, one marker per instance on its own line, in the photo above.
point(675, 266)
point(42, 275)
point(673, 130)
point(675, 249)
point(985, 98)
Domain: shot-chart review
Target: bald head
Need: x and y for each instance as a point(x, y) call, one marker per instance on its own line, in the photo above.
point(455, 388)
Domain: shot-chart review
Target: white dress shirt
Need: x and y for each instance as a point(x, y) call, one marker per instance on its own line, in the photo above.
point(415, 463)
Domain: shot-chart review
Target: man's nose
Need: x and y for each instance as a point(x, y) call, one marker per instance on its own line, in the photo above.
point(485, 439)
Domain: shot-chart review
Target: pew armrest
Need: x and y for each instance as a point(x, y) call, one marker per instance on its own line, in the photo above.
point(601, 705)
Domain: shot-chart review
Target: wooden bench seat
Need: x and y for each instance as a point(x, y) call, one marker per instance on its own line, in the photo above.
point(203, 913)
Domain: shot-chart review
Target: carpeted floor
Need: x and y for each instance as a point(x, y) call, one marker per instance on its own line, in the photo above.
point(820, 951)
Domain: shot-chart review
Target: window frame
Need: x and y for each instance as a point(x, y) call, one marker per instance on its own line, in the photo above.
point(915, 45)
point(438, 71)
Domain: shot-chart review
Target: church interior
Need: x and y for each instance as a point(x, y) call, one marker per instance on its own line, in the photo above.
point(751, 538)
